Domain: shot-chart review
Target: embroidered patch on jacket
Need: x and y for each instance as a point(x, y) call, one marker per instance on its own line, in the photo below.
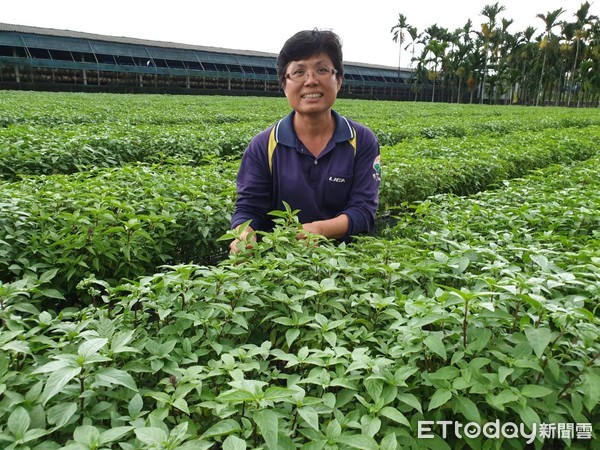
point(377, 169)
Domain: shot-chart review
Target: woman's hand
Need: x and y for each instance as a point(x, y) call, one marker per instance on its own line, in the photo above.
point(335, 228)
point(312, 227)
point(245, 241)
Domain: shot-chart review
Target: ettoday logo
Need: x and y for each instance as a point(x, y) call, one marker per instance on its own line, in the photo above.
point(508, 430)
point(491, 430)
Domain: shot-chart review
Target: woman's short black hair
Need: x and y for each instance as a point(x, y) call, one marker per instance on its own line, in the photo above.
point(307, 43)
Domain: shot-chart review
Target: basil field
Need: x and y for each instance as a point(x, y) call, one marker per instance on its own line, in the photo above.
point(124, 324)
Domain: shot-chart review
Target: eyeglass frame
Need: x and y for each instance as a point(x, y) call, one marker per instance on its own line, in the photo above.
point(315, 75)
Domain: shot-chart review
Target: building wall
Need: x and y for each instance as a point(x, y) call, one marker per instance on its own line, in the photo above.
point(46, 59)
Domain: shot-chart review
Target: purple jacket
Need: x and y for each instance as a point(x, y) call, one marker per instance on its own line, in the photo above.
point(337, 182)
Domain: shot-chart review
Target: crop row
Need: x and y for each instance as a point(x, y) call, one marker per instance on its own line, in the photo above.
point(27, 149)
point(404, 120)
point(117, 223)
point(395, 124)
point(418, 168)
point(476, 309)
point(53, 109)
point(64, 133)
point(124, 222)
point(63, 149)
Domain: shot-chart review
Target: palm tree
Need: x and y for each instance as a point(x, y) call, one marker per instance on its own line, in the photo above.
point(567, 51)
point(550, 22)
point(398, 35)
point(506, 65)
point(526, 53)
point(455, 58)
point(528, 67)
point(432, 34)
point(412, 32)
point(438, 50)
point(465, 67)
point(475, 63)
point(488, 33)
point(579, 33)
point(589, 69)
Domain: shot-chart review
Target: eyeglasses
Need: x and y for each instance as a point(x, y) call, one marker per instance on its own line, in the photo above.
point(318, 73)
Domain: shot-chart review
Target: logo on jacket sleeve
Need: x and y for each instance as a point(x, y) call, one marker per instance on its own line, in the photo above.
point(377, 169)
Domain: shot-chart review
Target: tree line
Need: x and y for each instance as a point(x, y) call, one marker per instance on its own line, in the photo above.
point(560, 65)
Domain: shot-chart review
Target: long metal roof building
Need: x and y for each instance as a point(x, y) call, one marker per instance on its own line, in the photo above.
point(45, 58)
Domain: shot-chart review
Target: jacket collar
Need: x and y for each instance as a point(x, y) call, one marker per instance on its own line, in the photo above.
point(286, 135)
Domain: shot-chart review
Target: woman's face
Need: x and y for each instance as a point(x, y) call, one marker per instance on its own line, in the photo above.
point(311, 84)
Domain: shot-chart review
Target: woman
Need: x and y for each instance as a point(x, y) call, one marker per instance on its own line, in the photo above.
point(314, 159)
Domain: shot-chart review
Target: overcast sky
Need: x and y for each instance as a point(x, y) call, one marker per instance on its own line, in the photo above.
point(364, 25)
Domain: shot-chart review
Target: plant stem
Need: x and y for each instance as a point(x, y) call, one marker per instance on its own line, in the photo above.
point(545, 363)
point(81, 400)
point(465, 323)
point(293, 427)
point(576, 376)
point(515, 314)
